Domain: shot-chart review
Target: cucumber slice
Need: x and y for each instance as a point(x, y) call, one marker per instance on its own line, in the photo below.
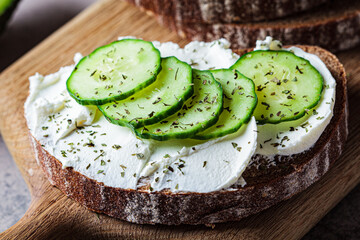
point(198, 113)
point(161, 99)
point(114, 72)
point(286, 85)
point(239, 103)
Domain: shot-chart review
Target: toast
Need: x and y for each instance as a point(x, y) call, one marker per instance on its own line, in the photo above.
point(333, 26)
point(218, 11)
point(266, 185)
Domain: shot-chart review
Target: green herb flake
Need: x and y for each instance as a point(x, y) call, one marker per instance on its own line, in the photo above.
point(63, 153)
point(266, 105)
point(204, 164)
point(304, 124)
point(115, 146)
point(140, 155)
point(102, 154)
point(267, 140)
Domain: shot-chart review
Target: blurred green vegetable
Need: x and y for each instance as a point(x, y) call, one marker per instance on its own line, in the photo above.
point(7, 7)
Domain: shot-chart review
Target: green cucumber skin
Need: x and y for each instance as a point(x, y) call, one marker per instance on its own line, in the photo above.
point(157, 117)
point(301, 113)
point(115, 97)
point(199, 128)
point(235, 128)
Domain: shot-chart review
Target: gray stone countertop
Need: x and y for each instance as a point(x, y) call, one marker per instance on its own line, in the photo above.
point(33, 21)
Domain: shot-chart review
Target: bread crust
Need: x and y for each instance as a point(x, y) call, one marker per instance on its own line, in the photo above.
point(335, 27)
point(168, 208)
point(220, 11)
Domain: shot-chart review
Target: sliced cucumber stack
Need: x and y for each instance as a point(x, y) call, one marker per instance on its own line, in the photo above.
point(239, 103)
point(184, 103)
point(199, 112)
point(286, 85)
point(161, 99)
point(114, 72)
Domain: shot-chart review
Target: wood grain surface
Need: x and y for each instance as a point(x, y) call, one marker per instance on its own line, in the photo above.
point(54, 216)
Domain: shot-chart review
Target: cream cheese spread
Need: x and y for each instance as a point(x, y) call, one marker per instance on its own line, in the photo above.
point(80, 136)
point(210, 166)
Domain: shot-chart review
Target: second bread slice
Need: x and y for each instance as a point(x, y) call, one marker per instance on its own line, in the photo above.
point(230, 11)
point(334, 26)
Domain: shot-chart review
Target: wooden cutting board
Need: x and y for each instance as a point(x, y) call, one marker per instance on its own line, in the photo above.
point(54, 216)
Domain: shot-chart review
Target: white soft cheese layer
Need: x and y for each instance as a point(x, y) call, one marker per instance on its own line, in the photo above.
point(201, 55)
point(81, 137)
point(293, 137)
point(210, 166)
point(51, 115)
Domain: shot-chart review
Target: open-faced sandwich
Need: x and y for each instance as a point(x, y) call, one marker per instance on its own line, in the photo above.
point(149, 132)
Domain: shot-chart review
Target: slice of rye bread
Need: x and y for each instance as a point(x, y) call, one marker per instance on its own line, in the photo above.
point(264, 187)
point(220, 11)
point(334, 26)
